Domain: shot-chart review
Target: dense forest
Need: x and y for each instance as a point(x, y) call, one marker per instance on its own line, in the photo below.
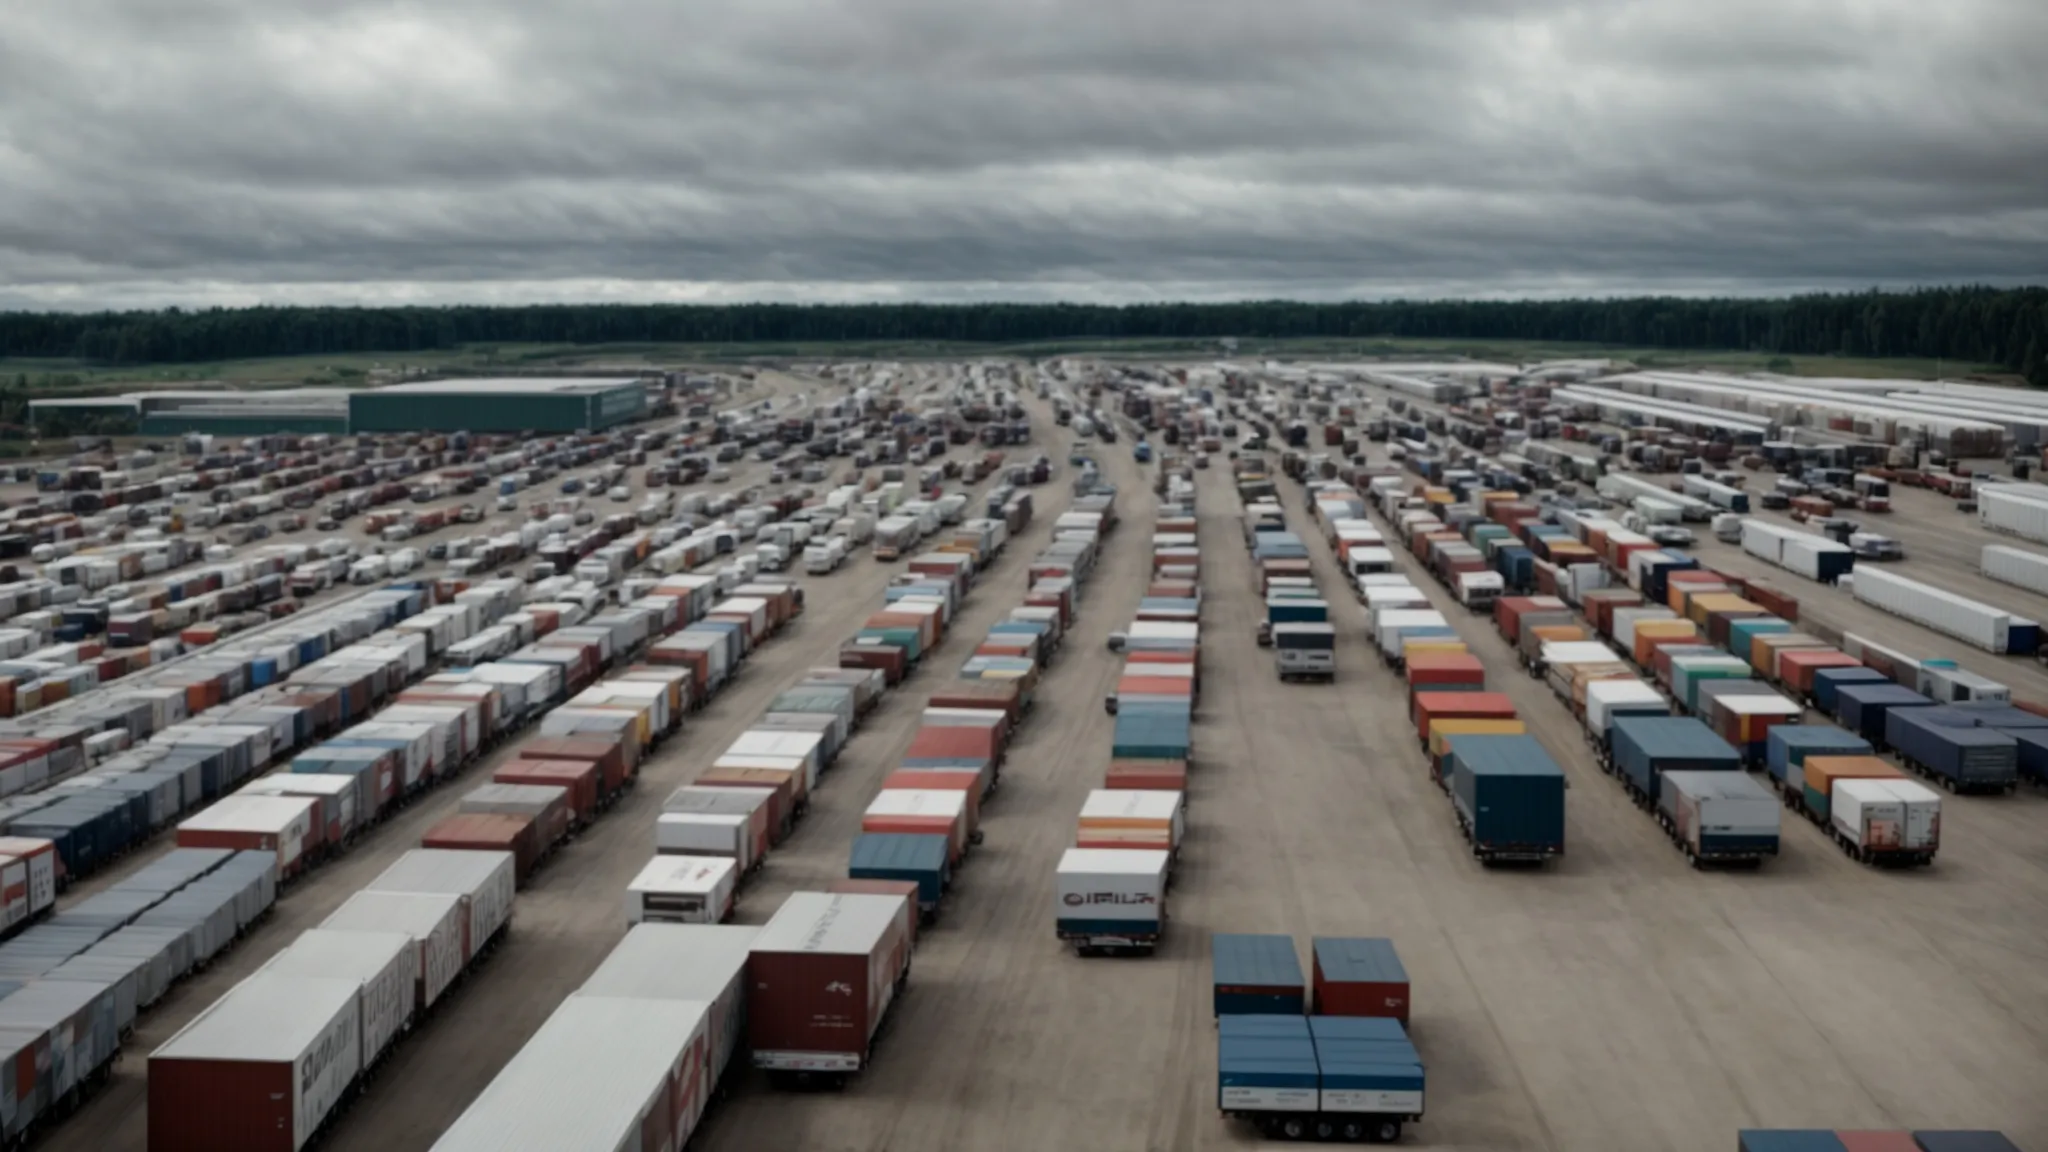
point(1974, 325)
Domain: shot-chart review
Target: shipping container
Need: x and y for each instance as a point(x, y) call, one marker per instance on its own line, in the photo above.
point(603, 1072)
point(923, 858)
point(1963, 1141)
point(676, 889)
point(1790, 744)
point(1645, 747)
point(384, 964)
point(1885, 821)
point(483, 882)
point(1985, 626)
point(1862, 708)
point(821, 977)
point(1508, 795)
point(1718, 817)
point(704, 963)
point(1256, 975)
point(436, 924)
point(1824, 773)
point(1111, 899)
point(259, 1070)
point(1359, 976)
point(1964, 758)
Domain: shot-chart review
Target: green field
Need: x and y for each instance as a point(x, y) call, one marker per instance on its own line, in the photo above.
point(59, 377)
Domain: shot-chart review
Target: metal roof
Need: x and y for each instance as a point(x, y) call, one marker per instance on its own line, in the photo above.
point(441, 870)
point(583, 1081)
point(674, 961)
point(1119, 861)
point(328, 953)
point(534, 385)
point(269, 1016)
point(688, 874)
point(843, 923)
point(1133, 803)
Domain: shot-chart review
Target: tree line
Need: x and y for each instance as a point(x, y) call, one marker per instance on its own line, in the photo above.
point(1974, 325)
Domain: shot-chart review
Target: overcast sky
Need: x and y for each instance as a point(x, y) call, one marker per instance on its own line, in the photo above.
point(237, 151)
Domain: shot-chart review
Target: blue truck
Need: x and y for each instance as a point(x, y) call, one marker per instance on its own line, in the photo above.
point(1352, 1078)
point(1509, 797)
point(1944, 744)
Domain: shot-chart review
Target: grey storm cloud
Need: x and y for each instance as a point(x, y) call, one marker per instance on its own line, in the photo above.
point(200, 151)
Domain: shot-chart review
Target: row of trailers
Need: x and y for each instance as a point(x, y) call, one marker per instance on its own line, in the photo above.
point(273, 1060)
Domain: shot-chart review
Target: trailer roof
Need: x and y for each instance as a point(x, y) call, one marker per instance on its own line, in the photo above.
point(674, 961)
point(836, 923)
point(1263, 961)
point(583, 1080)
point(269, 1016)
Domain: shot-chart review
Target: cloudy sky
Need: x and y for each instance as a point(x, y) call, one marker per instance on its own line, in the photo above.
point(237, 151)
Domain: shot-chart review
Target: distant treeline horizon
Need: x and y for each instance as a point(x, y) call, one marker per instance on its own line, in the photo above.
point(1977, 325)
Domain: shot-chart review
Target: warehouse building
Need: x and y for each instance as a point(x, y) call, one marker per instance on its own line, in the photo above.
point(220, 412)
point(499, 405)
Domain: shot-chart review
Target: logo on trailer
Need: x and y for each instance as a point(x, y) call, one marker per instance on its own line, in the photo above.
point(1079, 899)
point(841, 987)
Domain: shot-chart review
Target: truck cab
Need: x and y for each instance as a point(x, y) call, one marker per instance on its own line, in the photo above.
point(1303, 651)
point(1478, 590)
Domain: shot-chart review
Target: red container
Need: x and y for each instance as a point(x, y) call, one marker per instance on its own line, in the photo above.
point(892, 661)
point(1335, 997)
point(942, 743)
point(694, 659)
point(579, 777)
point(1026, 649)
point(1445, 668)
point(1433, 706)
point(1147, 775)
point(820, 977)
point(1061, 598)
point(489, 832)
point(608, 755)
point(907, 889)
point(1777, 603)
point(1509, 610)
point(1141, 685)
point(1151, 656)
point(1796, 666)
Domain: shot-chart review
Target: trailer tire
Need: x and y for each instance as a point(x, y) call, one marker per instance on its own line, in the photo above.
point(1352, 1131)
point(1293, 1129)
point(1386, 1131)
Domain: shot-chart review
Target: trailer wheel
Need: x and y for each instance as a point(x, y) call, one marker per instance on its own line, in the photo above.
point(1386, 1131)
point(1293, 1129)
point(1325, 1130)
point(1352, 1131)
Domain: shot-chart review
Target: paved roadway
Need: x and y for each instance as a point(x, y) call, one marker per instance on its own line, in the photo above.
point(1615, 1001)
point(574, 912)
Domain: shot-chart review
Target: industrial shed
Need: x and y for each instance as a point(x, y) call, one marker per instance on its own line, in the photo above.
point(221, 411)
point(504, 405)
